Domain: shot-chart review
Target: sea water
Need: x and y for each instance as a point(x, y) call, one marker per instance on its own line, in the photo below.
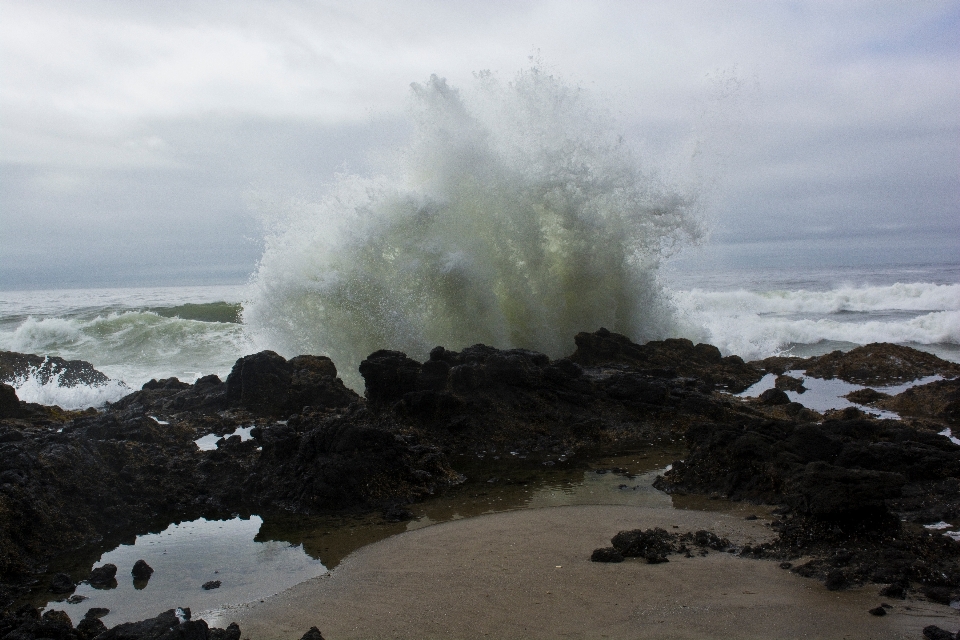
point(515, 216)
point(751, 313)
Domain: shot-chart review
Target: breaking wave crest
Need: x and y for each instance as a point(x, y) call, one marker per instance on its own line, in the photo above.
point(132, 346)
point(760, 324)
point(515, 218)
point(36, 387)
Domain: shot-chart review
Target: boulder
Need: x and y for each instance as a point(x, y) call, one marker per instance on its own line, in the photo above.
point(68, 373)
point(266, 383)
point(141, 570)
point(62, 583)
point(388, 375)
point(773, 397)
point(9, 402)
point(879, 363)
point(104, 577)
point(828, 491)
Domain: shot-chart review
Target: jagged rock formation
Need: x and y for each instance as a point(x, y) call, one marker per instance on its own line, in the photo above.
point(67, 479)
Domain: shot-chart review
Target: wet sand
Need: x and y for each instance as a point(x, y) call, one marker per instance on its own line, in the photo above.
point(527, 574)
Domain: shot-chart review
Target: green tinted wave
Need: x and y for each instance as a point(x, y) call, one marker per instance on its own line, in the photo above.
point(206, 312)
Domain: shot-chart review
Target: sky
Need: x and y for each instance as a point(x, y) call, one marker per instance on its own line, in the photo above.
point(142, 143)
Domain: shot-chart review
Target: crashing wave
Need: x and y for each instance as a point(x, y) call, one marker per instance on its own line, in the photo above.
point(515, 218)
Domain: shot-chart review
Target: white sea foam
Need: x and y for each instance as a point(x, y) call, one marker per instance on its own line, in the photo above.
point(31, 388)
point(132, 346)
point(515, 218)
point(908, 297)
point(759, 324)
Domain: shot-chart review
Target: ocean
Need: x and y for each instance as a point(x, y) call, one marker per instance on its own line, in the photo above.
point(135, 334)
point(515, 216)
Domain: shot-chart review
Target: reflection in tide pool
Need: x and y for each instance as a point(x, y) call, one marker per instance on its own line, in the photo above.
point(209, 441)
point(184, 556)
point(256, 558)
point(822, 395)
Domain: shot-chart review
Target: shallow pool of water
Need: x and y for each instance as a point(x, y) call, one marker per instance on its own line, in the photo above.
point(257, 557)
point(822, 395)
point(184, 556)
point(209, 441)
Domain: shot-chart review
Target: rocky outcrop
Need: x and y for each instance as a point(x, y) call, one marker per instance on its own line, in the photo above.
point(843, 483)
point(68, 373)
point(318, 447)
point(482, 396)
point(878, 364)
point(828, 470)
point(265, 383)
point(321, 461)
point(677, 355)
point(654, 545)
point(939, 400)
point(173, 624)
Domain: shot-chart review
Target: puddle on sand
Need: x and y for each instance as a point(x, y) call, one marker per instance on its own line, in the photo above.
point(492, 486)
point(822, 395)
point(185, 556)
point(254, 557)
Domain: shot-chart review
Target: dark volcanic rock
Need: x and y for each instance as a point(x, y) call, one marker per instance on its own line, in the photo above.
point(866, 396)
point(768, 461)
point(774, 397)
point(606, 554)
point(312, 634)
point(232, 632)
point(62, 583)
point(827, 491)
point(388, 375)
point(320, 462)
point(266, 383)
point(644, 544)
point(654, 545)
point(789, 383)
point(90, 628)
point(879, 363)
point(141, 570)
point(702, 361)
point(933, 632)
point(167, 626)
point(104, 577)
point(211, 584)
point(9, 402)
point(482, 396)
point(69, 373)
point(939, 400)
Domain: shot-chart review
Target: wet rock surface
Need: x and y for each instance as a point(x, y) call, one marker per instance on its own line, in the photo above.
point(68, 373)
point(654, 545)
point(70, 479)
point(27, 624)
point(845, 486)
point(878, 364)
point(939, 400)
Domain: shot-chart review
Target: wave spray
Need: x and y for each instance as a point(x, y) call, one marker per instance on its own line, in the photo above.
point(515, 218)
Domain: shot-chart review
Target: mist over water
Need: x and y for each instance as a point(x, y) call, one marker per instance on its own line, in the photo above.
point(516, 217)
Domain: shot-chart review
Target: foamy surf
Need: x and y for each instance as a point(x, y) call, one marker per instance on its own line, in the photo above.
point(31, 387)
point(131, 335)
point(515, 217)
point(757, 324)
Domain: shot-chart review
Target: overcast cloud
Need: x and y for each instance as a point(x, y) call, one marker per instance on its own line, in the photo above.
point(132, 134)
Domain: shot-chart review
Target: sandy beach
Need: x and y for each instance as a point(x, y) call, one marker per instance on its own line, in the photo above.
point(527, 574)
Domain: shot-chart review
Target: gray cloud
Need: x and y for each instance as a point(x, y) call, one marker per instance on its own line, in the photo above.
point(133, 134)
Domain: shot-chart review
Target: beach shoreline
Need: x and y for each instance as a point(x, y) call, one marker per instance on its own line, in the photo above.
point(528, 574)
